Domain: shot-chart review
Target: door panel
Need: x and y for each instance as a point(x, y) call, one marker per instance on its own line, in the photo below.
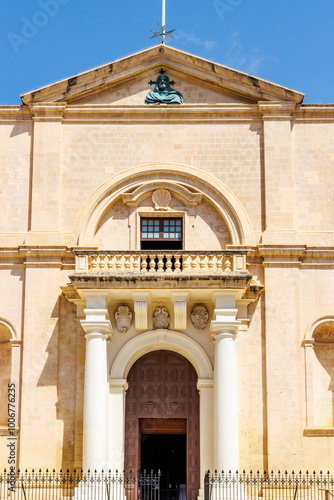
point(162, 385)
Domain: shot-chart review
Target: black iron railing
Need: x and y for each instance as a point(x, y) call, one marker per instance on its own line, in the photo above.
point(269, 486)
point(61, 485)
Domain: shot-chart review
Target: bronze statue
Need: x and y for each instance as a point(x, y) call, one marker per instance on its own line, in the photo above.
point(163, 93)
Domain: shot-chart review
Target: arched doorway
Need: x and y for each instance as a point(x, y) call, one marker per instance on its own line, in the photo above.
point(162, 422)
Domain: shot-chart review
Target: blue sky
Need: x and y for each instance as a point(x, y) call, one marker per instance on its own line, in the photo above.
point(289, 42)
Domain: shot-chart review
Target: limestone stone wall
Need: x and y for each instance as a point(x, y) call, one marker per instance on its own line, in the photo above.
point(15, 156)
point(92, 154)
point(313, 156)
point(281, 172)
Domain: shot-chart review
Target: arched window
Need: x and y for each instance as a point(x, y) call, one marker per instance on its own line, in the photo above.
point(5, 371)
point(320, 374)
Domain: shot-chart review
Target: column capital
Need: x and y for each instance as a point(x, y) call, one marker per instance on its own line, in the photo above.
point(97, 328)
point(220, 329)
point(118, 384)
point(204, 383)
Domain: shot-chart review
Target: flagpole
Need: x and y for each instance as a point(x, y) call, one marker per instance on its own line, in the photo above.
point(163, 12)
point(163, 40)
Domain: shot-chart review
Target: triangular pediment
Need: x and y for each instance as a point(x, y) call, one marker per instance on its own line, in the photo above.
point(126, 81)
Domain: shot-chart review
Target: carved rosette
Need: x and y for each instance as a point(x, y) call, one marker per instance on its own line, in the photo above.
point(199, 317)
point(161, 318)
point(123, 319)
point(161, 199)
point(175, 407)
point(150, 407)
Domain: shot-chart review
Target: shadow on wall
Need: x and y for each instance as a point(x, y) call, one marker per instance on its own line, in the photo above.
point(64, 369)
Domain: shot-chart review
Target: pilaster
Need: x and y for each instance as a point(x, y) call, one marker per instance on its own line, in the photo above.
point(278, 169)
point(140, 307)
point(117, 392)
point(180, 310)
point(45, 195)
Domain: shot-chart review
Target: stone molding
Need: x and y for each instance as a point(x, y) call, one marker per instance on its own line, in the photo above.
point(157, 340)
point(227, 205)
point(135, 198)
point(189, 113)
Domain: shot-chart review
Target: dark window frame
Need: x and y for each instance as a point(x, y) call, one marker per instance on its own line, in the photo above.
point(161, 230)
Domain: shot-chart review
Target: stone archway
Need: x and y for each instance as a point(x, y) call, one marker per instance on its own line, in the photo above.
point(163, 400)
point(178, 178)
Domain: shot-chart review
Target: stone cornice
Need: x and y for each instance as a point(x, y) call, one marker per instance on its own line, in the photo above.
point(143, 113)
point(106, 281)
point(48, 111)
point(277, 110)
point(14, 113)
point(93, 113)
point(30, 256)
point(300, 255)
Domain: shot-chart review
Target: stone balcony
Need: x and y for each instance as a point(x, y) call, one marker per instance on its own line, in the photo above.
point(164, 269)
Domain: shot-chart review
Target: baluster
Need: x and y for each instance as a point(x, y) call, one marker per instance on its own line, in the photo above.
point(202, 263)
point(219, 263)
point(93, 262)
point(177, 263)
point(136, 263)
point(169, 263)
point(211, 263)
point(110, 263)
point(160, 262)
point(127, 263)
point(102, 263)
point(185, 264)
point(194, 263)
point(143, 263)
point(227, 264)
point(119, 263)
point(152, 263)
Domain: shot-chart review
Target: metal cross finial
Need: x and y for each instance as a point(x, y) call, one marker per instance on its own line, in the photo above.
point(163, 33)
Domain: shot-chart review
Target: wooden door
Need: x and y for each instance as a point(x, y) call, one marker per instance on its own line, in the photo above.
point(162, 387)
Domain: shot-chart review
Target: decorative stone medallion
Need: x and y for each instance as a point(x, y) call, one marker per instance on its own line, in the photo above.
point(161, 199)
point(123, 318)
point(199, 317)
point(161, 318)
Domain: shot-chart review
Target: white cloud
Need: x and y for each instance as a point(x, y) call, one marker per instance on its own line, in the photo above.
point(191, 38)
point(248, 61)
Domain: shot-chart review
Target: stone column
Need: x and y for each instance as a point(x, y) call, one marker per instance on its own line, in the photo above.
point(226, 428)
point(95, 419)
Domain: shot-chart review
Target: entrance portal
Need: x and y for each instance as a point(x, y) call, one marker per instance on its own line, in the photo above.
point(172, 462)
point(162, 423)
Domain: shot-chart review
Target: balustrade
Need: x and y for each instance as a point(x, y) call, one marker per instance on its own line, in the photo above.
point(161, 263)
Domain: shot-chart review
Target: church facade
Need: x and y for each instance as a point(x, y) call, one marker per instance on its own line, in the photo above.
point(167, 273)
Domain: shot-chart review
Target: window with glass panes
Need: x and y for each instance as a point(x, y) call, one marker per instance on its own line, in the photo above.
point(161, 233)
